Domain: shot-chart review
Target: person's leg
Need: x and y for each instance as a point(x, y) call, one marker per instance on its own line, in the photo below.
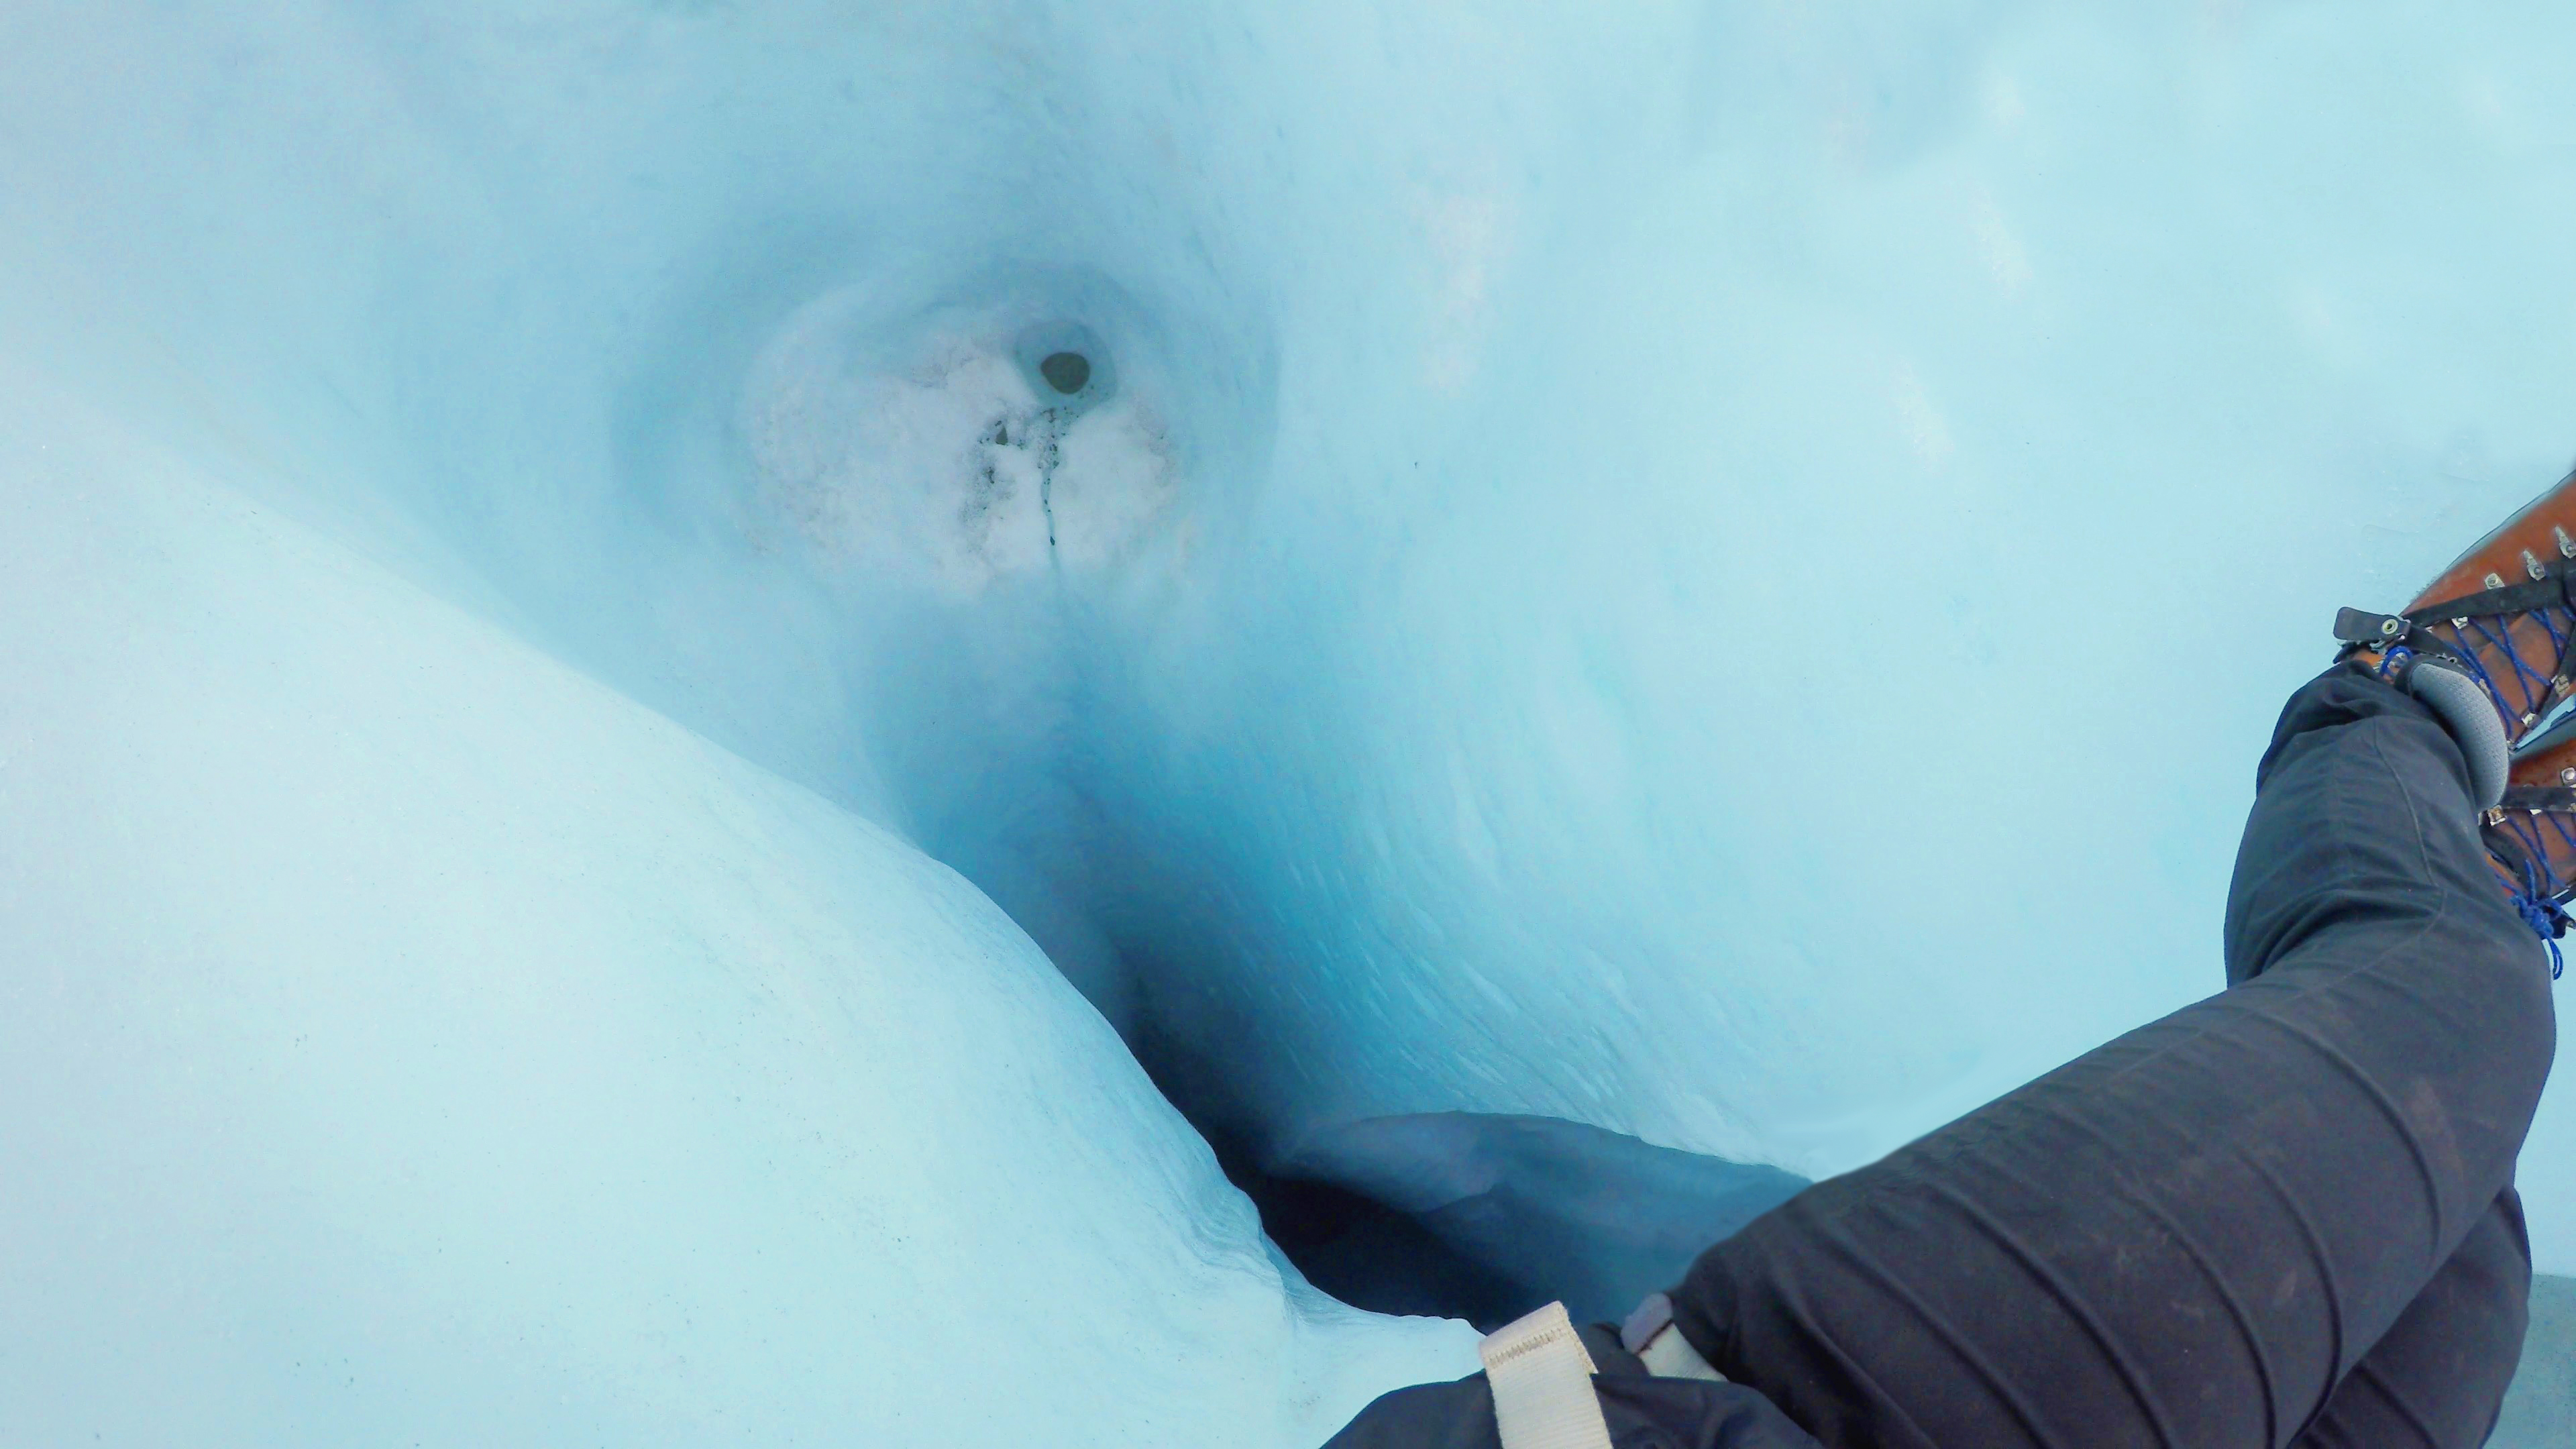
point(2438, 1376)
point(2189, 1236)
point(2437, 1379)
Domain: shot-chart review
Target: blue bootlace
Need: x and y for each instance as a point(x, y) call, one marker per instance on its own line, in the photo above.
point(2530, 683)
point(2534, 900)
point(2546, 917)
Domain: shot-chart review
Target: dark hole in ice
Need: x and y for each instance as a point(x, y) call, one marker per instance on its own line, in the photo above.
point(1480, 1216)
point(1066, 372)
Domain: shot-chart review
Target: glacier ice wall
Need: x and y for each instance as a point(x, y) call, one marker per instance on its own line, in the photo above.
point(410, 1039)
point(1718, 571)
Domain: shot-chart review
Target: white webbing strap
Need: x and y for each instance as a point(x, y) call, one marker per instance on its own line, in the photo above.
point(1542, 1381)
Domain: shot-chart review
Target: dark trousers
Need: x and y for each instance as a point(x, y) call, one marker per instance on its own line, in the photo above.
point(2281, 1215)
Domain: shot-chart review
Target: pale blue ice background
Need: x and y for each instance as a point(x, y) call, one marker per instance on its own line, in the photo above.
point(1717, 570)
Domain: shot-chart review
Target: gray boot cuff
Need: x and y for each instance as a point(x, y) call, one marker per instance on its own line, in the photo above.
point(2462, 705)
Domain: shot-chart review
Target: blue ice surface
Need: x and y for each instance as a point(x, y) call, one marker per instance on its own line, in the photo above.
point(1714, 571)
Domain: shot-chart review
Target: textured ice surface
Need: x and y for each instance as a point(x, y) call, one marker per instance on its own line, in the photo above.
point(410, 1039)
point(1717, 571)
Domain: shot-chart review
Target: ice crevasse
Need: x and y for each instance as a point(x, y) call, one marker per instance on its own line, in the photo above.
point(625, 807)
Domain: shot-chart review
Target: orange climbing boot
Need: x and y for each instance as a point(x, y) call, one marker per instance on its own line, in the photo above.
point(2504, 615)
point(2492, 651)
point(2530, 835)
point(2490, 648)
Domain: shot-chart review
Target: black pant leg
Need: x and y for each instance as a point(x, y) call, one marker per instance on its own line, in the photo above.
point(2438, 1379)
point(2188, 1236)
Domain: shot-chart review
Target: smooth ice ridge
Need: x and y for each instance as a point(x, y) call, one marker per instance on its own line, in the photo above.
point(619, 828)
point(450, 1046)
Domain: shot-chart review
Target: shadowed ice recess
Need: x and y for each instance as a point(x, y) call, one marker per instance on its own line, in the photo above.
point(627, 822)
